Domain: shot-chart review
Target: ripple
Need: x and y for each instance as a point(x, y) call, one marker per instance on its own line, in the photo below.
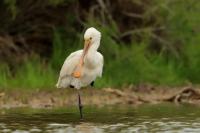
point(145, 126)
point(115, 123)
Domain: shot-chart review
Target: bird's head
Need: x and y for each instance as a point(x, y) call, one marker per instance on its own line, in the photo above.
point(91, 37)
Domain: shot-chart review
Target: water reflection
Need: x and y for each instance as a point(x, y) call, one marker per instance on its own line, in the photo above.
point(104, 121)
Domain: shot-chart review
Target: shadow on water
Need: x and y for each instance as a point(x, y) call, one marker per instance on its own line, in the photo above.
point(144, 118)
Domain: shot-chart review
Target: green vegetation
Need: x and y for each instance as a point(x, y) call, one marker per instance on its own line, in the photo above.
point(161, 48)
point(31, 75)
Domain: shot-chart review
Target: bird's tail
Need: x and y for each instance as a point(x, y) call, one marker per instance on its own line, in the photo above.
point(63, 82)
point(58, 84)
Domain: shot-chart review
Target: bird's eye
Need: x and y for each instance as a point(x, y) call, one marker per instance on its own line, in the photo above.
point(90, 38)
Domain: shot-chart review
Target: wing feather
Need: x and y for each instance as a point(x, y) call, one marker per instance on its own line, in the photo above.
point(101, 63)
point(67, 69)
point(70, 63)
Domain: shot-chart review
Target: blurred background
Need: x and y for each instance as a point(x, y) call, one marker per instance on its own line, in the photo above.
point(143, 41)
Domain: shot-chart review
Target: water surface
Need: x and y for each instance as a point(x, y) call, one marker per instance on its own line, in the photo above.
point(161, 118)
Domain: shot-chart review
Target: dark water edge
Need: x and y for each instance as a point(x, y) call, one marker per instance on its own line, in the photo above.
point(111, 119)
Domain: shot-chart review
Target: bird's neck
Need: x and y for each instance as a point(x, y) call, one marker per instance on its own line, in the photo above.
point(94, 47)
point(90, 57)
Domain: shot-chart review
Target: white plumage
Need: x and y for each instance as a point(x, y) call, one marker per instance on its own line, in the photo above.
point(88, 63)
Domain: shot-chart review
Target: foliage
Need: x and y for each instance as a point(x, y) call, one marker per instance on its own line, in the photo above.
point(153, 42)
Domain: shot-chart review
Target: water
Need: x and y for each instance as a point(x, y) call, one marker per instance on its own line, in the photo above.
point(163, 118)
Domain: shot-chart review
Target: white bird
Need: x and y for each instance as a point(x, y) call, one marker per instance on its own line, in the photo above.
point(82, 67)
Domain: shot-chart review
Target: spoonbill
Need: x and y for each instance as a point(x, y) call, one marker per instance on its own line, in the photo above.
point(82, 67)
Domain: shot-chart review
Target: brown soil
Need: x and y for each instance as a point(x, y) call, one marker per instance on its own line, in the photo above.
point(99, 97)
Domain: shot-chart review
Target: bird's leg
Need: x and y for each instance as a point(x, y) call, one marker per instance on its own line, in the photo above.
point(80, 105)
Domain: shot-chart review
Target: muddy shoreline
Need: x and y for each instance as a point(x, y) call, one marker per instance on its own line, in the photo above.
point(99, 97)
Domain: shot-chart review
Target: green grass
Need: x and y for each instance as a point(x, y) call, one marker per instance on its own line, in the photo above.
point(135, 66)
point(33, 74)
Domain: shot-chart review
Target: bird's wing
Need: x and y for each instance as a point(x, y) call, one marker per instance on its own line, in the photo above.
point(70, 63)
point(100, 64)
